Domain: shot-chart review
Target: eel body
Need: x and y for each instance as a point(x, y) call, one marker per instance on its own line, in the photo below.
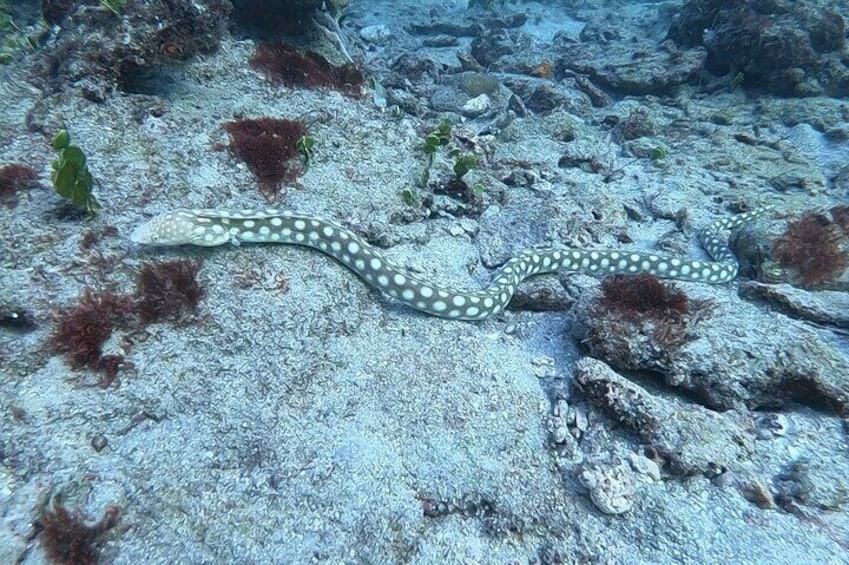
point(212, 227)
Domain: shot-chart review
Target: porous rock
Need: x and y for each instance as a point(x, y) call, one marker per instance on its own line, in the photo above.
point(787, 48)
point(822, 307)
point(614, 65)
point(734, 357)
point(611, 487)
point(691, 438)
point(97, 51)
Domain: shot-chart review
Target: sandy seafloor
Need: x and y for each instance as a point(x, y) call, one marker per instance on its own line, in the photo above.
point(308, 425)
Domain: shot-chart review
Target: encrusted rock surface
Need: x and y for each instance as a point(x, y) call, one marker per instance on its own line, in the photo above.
point(692, 439)
point(729, 356)
point(98, 51)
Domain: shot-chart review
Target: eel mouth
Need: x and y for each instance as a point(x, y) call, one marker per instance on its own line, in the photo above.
point(141, 234)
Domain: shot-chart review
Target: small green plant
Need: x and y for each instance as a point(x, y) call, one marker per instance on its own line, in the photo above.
point(12, 37)
point(379, 95)
point(736, 81)
point(437, 138)
point(433, 141)
point(304, 146)
point(71, 177)
point(408, 195)
point(114, 6)
point(463, 163)
point(658, 152)
point(5, 16)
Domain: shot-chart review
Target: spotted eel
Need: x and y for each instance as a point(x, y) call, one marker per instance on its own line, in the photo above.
point(216, 227)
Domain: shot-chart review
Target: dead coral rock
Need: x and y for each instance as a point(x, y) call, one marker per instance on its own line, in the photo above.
point(611, 487)
point(631, 65)
point(693, 439)
point(751, 486)
point(787, 48)
point(822, 307)
point(490, 45)
point(736, 357)
point(813, 483)
point(96, 51)
point(541, 295)
point(638, 124)
point(639, 316)
point(543, 96)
